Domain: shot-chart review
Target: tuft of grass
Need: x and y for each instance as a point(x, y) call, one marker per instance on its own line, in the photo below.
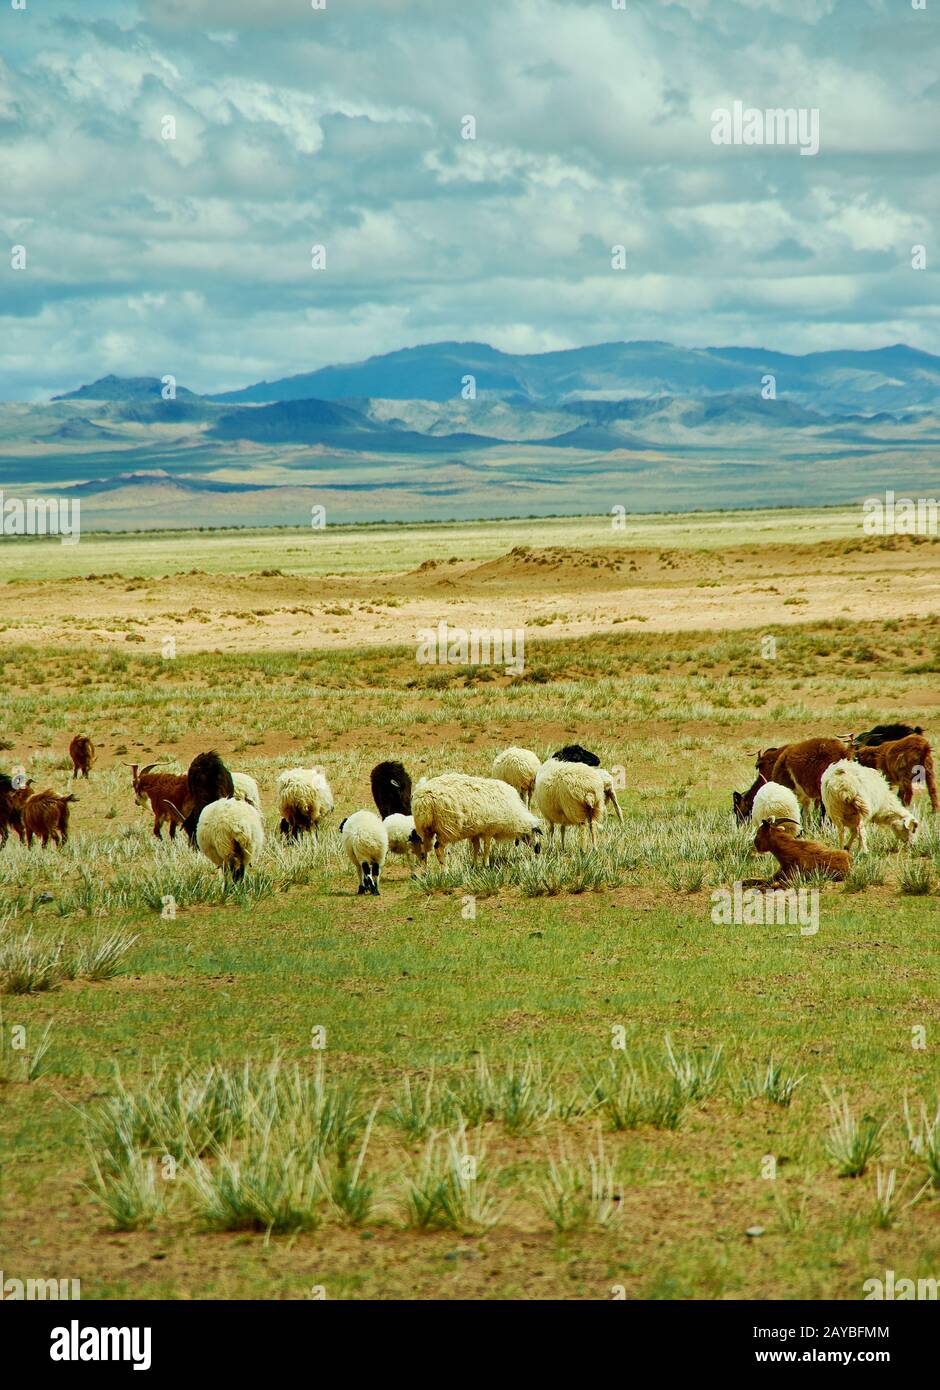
point(768, 1081)
point(883, 1210)
point(917, 878)
point(100, 958)
point(349, 1193)
point(415, 1109)
point(446, 1188)
point(686, 878)
point(268, 1185)
point(694, 1076)
point(519, 1095)
point(923, 1138)
point(575, 1192)
point(628, 1096)
point(851, 1143)
point(792, 1214)
point(27, 967)
point(125, 1184)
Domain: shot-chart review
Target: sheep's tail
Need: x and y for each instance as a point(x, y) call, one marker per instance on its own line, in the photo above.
point(856, 804)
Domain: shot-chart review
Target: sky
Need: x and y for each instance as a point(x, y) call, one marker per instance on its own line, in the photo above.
point(343, 127)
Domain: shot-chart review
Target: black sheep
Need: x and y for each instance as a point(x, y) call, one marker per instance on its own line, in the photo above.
point(391, 789)
point(209, 780)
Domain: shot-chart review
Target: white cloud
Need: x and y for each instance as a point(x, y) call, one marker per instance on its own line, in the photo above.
point(342, 127)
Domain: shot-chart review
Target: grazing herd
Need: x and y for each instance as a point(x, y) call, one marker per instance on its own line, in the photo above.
point(848, 780)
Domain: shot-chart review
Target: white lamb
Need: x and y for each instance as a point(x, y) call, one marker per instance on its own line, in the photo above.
point(304, 798)
point(402, 836)
point(246, 789)
point(230, 833)
point(775, 802)
point(574, 794)
point(856, 796)
point(366, 841)
point(455, 806)
point(519, 768)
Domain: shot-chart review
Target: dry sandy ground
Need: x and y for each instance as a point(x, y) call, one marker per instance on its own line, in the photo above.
point(553, 591)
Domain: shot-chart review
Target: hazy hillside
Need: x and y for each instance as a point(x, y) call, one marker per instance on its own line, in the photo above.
point(645, 426)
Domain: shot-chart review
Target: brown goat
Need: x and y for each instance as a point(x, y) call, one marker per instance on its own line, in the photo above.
point(46, 816)
point(12, 795)
point(743, 802)
point(800, 766)
point(797, 856)
point(900, 761)
point(168, 794)
point(82, 753)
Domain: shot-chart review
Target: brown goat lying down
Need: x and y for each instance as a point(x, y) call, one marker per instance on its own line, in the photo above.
point(797, 856)
point(899, 761)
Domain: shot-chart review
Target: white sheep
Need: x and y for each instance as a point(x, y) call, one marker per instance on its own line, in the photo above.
point(455, 806)
point(246, 789)
point(574, 794)
point(402, 836)
point(856, 796)
point(773, 801)
point(519, 768)
point(366, 841)
point(304, 798)
point(230, 833)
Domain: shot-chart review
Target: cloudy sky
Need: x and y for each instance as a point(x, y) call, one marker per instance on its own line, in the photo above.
point(342, 127)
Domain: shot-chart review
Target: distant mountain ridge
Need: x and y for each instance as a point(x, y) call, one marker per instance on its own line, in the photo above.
point(832, 382)
point(839, 382)
point(124, 388)
point(645, 425)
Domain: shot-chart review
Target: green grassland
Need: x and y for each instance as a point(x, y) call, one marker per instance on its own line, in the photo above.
point(468, 1016)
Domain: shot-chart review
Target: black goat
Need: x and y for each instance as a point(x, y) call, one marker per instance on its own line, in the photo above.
point(391, 789)
point(885, 733)
point(574, 753)
point(209, 780)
